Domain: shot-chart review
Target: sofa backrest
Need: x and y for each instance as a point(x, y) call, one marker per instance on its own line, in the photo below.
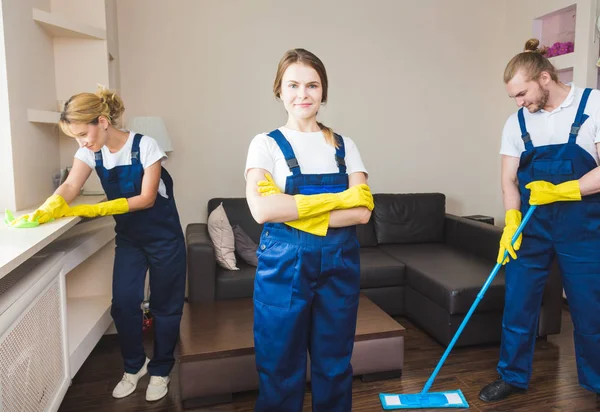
point(366, 234)
point(409, 217)
point(397, 218)
point(238, 213)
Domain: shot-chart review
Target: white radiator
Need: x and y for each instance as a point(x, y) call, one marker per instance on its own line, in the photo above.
point(33, 360)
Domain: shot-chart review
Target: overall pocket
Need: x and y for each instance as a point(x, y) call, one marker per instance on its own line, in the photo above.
point(275, 274)
point(547, 169)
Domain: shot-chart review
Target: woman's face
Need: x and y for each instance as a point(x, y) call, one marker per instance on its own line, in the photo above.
point(301, 91)
point(90, 136)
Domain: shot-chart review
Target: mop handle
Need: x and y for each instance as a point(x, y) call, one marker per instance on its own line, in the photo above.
point(480, 295)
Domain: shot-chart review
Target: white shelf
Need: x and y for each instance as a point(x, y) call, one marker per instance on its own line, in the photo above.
point(59, 26)
point(564, 61)
point(82, 241)
point(87, 319)
point(43, 116)
point(18, 245)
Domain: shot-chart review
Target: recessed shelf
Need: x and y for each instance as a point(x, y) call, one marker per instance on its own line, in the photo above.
point(82, 241)
point(564, 61)
point(59, 26)
point(84, 314)
point(42, 116)
point(558, 26)
point(566, 75)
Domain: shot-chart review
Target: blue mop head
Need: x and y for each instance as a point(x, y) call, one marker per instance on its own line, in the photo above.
point(450, 399)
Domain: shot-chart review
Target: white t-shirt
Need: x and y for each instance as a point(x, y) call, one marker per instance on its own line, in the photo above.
point(314, 155)
point(150, 153)
point(548, 128)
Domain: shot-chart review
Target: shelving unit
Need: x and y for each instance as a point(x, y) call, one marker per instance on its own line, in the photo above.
point(556, 26)
point(56, 279)
point(88, 255)
point(58, 25)
point(566, 75)
point(43, 116)
point(570, 21)
point(564, 61)
point(85, 53)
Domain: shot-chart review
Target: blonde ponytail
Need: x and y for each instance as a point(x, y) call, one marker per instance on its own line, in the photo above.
point(329, 136)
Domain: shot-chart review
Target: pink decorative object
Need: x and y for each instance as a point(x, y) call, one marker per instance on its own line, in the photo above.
point(560, 48)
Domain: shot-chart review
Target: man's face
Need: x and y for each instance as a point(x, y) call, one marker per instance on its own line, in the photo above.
point(531, 94)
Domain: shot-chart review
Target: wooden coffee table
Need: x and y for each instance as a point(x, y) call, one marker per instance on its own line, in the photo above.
point(216, 352)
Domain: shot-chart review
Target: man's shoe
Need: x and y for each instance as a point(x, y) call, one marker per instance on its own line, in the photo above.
point(498, 390)
point(129, 382)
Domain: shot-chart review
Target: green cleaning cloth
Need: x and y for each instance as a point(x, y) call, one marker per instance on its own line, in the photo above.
point(22, 223)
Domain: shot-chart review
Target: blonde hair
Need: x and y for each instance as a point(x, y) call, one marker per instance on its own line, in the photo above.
point(86, 108)
point(532, 61)
point(309, 59)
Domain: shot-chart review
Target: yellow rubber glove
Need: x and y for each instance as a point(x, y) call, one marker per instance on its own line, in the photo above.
point(53, 208)
point(316, 225)
point(512, 221)
point(313, 205)
point(543, 193)
point(112, 207)
point(267, 187)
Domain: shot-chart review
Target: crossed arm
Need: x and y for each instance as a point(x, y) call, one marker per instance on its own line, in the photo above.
point(278, 208)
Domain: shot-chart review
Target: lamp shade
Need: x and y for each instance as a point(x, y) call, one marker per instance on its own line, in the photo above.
point(154, 127)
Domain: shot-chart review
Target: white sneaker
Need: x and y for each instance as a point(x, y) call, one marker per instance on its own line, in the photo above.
point(129, 382)
point(157, 388)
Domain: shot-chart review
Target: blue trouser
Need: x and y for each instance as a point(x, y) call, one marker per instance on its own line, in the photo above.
point(579, 262)
point(167, 264)
point(305, 298)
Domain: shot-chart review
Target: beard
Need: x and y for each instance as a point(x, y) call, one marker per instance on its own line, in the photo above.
point(539, 105)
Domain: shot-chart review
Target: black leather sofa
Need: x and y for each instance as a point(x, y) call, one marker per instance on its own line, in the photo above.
point(416, 261)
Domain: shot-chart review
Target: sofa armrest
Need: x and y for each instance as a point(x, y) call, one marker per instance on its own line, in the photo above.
point(482, 239)
point(473, 237)
point(201, 263)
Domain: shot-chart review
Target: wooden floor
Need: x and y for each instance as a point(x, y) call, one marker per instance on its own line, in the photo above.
point(553, 387)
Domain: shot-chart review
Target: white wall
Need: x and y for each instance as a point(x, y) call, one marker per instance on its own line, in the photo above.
point(7, 184)
point(417, 84)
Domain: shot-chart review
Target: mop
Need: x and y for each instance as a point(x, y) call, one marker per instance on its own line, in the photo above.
point(448, 399)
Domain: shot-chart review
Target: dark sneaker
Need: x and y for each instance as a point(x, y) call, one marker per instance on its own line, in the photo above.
point(498, 390)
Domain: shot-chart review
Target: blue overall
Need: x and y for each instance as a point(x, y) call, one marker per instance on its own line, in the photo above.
point(145, 239)
point(306, 298)
point(569, 231)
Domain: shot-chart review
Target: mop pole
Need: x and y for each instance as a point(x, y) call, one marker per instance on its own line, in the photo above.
point(480, 295)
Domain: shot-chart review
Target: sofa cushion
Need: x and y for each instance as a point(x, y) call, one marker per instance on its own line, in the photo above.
point(238, 213)
point(237, 284)
point(221, 234)
point(377, 269)
point(449, 277)
point(409, 218)
point(245, 247)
